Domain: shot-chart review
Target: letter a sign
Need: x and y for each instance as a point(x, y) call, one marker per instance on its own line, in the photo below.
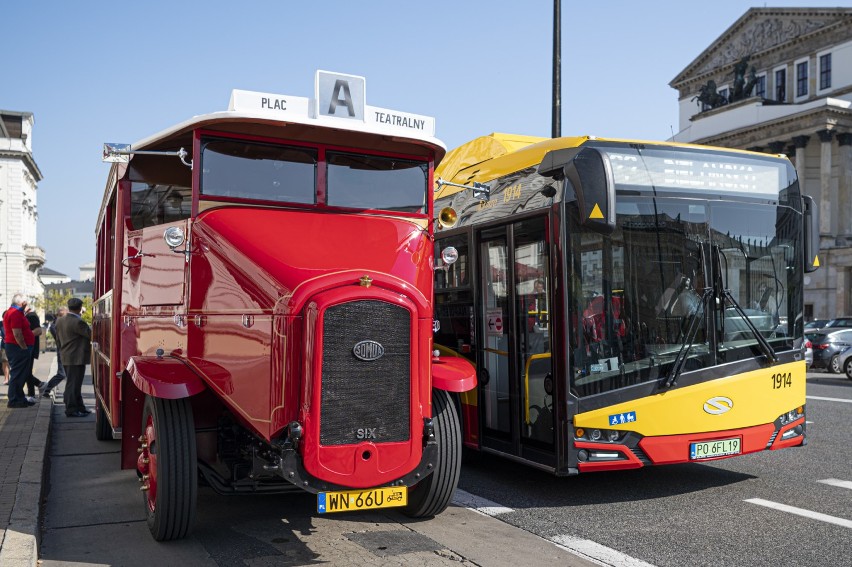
point(340, 96)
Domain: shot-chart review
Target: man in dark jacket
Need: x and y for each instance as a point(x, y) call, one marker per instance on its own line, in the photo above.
point(75, 338)
point(35, 327)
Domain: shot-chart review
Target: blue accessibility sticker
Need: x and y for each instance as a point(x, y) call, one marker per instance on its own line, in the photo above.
point(622, 418)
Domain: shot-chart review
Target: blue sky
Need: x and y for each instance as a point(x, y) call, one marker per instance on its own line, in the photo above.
point(120, 71)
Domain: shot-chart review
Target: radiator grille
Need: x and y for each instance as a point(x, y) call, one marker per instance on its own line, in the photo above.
point(371, 396)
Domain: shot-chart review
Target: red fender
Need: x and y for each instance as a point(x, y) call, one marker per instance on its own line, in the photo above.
point(453, 374)
point(169, 378)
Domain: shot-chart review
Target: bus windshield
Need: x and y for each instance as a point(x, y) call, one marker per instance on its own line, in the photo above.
point(656, 286)
point(376, 182)
point(262, 172)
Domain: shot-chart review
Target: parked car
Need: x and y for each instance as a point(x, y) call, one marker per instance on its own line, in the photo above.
point(809, 353)
point(816, 324)
point(839, 322)
point(845, 362)
point(827, 346)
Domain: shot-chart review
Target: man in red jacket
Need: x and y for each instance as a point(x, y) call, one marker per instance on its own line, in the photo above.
point(19, 342)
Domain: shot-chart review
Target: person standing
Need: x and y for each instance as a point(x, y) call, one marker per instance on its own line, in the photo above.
point(75, 338)
point(3, 360)
point(60, 370)
point(19, 342)
point(35, 326)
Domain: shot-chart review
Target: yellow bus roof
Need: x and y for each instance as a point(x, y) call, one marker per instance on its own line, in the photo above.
point(495, 155)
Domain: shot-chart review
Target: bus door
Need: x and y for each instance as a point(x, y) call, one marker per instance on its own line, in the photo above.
point(515, 378)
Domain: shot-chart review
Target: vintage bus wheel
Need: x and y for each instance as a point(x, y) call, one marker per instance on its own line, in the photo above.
point(432, 495)
point(103, 431)
point(167, 467)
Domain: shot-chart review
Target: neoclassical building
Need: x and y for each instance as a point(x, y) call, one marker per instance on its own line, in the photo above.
point(20, 255)
point(779, 80)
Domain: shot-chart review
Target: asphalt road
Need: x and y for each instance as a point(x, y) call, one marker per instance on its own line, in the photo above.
point(684, 515)
point(701, 514)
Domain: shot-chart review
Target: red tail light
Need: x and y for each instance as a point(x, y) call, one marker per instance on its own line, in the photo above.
point(808, 344)
point(823, 346)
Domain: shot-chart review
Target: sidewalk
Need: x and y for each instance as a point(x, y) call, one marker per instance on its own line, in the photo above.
point(23, 447)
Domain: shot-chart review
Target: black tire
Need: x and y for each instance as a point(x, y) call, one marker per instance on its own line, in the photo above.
point(847, 367)
point(103, 430)
point(433, 494)
point(172, 484)
point(834, 365)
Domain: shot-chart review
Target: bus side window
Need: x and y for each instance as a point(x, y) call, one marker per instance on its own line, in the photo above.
point(160, 190)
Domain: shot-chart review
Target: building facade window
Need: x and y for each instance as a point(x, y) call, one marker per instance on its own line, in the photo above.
point(781, 85)
point(825, 71)
point(802, 78)
point(760, 86)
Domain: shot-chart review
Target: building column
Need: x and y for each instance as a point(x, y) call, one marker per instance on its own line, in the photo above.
point(844, 185)
point(801, 142)
point(777, 147)
point(826, 211)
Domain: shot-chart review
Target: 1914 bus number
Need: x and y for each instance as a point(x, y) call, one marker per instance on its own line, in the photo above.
point(782, 380)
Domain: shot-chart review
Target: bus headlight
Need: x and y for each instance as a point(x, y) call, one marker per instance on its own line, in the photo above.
point(174, 237)
point(599, 435)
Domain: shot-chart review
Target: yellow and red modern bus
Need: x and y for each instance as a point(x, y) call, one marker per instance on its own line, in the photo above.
point(625, 303)
point(263, 319)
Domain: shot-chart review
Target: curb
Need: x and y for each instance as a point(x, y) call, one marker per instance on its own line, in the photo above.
point(20, 546)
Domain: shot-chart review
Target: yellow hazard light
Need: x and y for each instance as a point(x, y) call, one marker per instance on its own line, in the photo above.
point(596, 212)
point(816, 261)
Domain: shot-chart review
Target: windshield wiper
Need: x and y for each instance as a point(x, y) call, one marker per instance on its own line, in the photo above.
point(688, 340)
point(761, 340)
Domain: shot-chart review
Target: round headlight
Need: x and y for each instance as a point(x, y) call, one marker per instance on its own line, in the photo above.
point(174, 236)
point(783, 418)
point(792, 415)
point(449, 255)
point(613, 435)
point(595, 435)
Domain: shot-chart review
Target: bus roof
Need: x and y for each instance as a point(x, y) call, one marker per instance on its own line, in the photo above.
point(337, 114)
point(492, 156)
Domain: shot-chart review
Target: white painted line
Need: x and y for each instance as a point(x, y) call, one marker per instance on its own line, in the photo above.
point(802, 512)
point(479, 504)
point(594, 552)
point(845, 401)
point(597, 553)
point(837, 482)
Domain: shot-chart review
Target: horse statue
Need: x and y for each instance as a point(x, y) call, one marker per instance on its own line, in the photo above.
point(709, 96)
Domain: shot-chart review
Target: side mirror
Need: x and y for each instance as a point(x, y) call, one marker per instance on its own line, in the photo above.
point(811, 237)
point(589, 173)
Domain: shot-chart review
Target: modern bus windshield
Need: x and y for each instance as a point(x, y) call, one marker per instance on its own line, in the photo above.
point(683, 279)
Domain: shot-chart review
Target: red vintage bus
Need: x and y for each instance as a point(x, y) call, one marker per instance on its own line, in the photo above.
point(264, 311)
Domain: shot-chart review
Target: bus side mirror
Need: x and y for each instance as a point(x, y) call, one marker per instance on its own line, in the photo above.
point(811, 229)
point(591, 178)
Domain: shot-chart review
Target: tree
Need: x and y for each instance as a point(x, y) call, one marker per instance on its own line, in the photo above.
point(55, 298)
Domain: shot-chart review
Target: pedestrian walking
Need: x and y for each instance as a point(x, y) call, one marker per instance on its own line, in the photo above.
point(19, 341)
point(48, 388)
point(75, 338)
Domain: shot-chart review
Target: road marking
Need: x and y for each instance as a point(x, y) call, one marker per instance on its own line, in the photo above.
point(836, 482)
point(597, 552)
point(802, 512)
point(586, 548)
point(829, 399)
point(479, 504)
